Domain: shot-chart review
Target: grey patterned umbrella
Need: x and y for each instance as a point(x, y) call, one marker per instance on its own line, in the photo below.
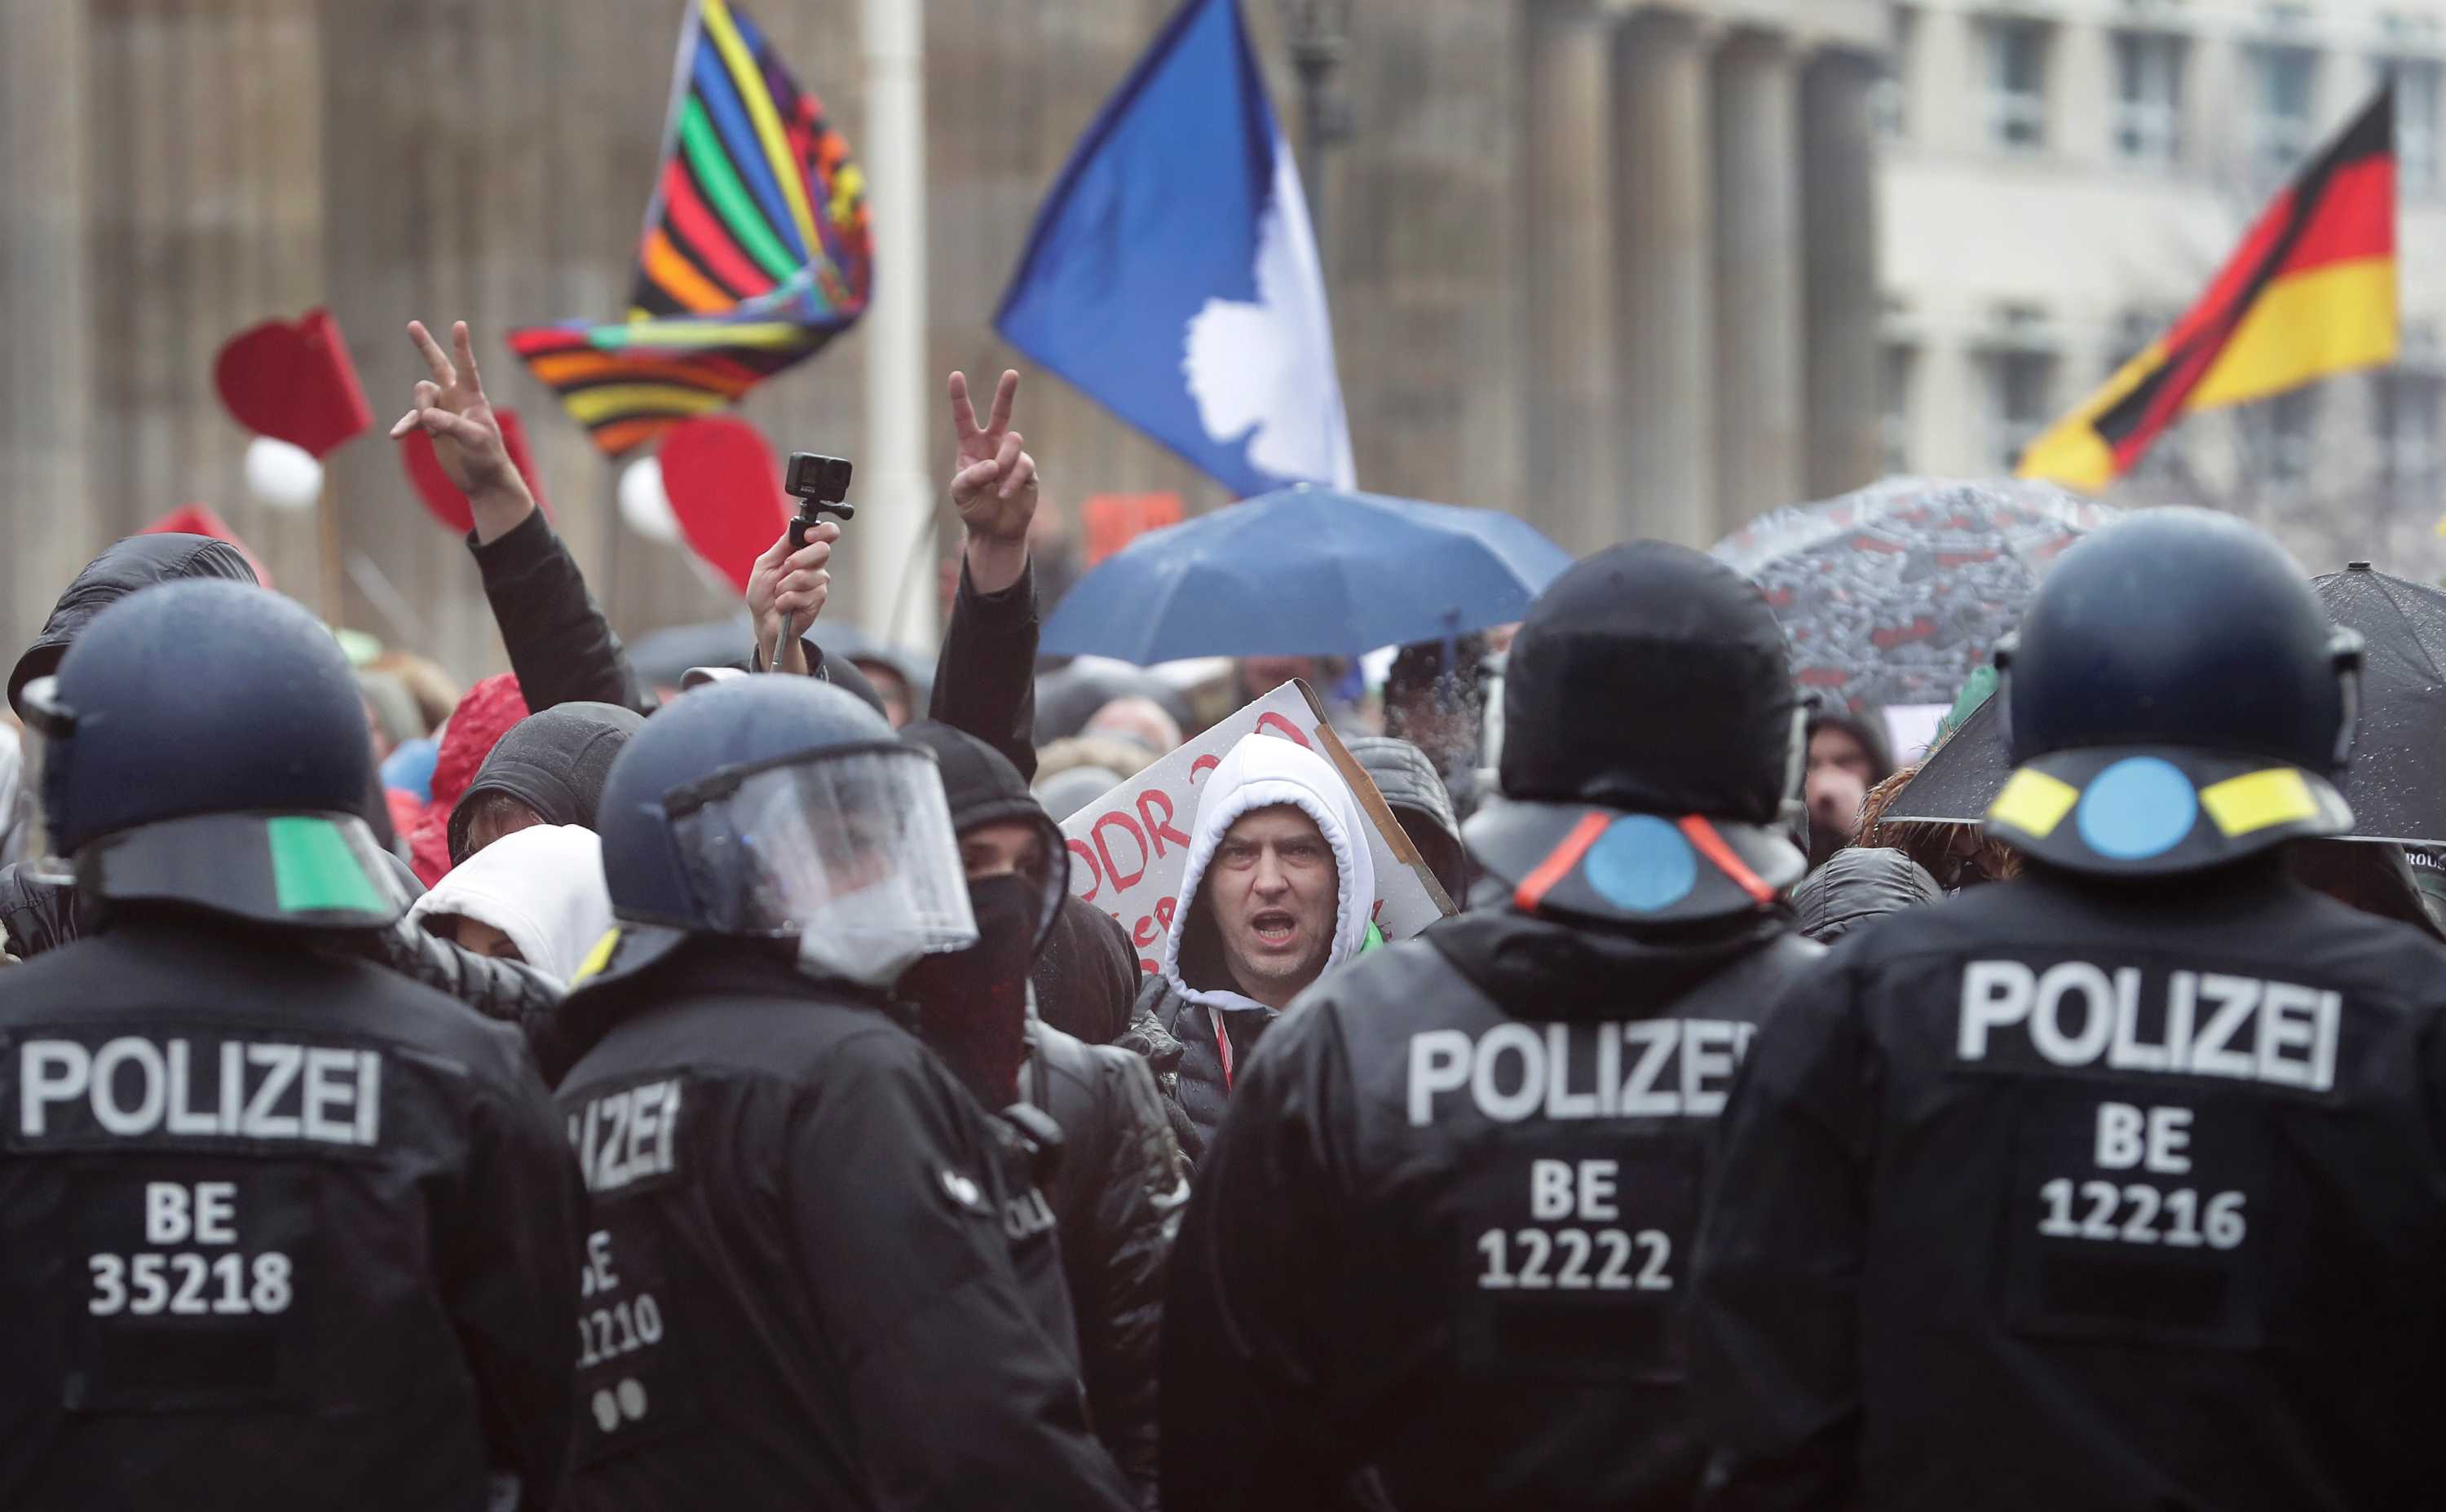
point(1894, 594)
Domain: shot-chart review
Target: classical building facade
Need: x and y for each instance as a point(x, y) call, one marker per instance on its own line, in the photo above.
point(1701, 302)
point(2061, 177)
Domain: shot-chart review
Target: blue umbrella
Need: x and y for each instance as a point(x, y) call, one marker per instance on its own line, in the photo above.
point(1305, 572)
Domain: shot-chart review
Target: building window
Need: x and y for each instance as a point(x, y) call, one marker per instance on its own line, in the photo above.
point(1893, 98)
point(2283, 100)
point(2017, 83)
point(2149, 97)
point(2018, 382)
point(2405, 404)
point(2417, 84)
point(2281, 432)
point(1896, 393)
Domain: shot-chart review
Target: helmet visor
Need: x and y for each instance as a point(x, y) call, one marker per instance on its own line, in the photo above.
point(847, 849)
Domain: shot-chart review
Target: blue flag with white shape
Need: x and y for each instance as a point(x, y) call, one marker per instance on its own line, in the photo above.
point(1173, 275)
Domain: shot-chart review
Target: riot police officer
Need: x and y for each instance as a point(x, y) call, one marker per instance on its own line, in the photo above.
point(283, 1229)
point(798, 1290)
point(2120, 1186)
point(1436, 1257)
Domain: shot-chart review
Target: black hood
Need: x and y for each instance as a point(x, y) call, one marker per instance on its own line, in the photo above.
point(140, 561)
point(1571, 972)
point(555, 762)
point(1086, 976)
point(1857, 886)
point(983, 788)
point(1408, 778)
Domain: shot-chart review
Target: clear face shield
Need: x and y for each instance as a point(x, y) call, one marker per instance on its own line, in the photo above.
point(30, 837)
point(848, 850)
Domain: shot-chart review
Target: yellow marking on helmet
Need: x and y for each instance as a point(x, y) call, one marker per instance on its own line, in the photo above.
point(2251, 802)
point(598, 958)
point(2034, 802)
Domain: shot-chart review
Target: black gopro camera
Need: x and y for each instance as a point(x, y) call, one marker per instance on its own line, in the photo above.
point(822, 482)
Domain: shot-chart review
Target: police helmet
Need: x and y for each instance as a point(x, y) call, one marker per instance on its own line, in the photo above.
point(1651, 745)
point(203, 743)
point(2176, 698)
point(782, 808)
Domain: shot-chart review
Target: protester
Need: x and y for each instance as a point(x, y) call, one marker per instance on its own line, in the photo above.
point(488, 712)
point(1957, 855)
point(1847, 758)
point(1428, 1252)
point(1435, 696)
point(1068, 789)
point(1327, 676)
point(1121, 1180)
point(820, 1204)
point(547, 769)
point(1140, 721)
point(1414, 790)
point(535, 896)
point(1278, 887)
point(345, 1286)
point(2157, 1123)
point(1858, 885)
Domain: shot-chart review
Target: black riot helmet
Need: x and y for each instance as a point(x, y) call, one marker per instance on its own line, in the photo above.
point(1651, 745)
point(203, 744)
point(780, 809)
point(2176, 698)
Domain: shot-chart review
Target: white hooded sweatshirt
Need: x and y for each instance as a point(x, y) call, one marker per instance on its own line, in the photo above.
point(1261, 772)
point(542, 886)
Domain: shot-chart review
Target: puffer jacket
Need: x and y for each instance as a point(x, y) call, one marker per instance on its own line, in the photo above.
point(1857, 886)
point(1117, 1201)
point(1194, 1000)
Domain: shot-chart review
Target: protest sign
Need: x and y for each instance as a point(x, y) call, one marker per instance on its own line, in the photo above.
point(1129, 847)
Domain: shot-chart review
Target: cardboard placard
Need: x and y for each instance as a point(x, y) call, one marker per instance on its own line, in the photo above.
point(1129, 847)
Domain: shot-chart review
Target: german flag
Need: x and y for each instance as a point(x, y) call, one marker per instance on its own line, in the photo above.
point(2310, 291)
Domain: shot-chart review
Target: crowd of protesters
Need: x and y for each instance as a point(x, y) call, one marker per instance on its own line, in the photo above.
point(700, 1085)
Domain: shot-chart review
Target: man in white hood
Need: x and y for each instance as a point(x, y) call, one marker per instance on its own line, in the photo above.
point(1280, 886)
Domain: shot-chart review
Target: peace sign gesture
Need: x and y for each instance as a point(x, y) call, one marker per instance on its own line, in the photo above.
point(451, 406)
point(993, 481)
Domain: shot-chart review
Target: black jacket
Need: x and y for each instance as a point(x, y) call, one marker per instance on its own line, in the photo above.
point(2065, 1195)
point(985, 678)
point(341, 1281)
point(560, 645)
point(1427, 1261)
point(1858, 885)
point(1117, 1200)
point(800, 1262)
point(125, 566)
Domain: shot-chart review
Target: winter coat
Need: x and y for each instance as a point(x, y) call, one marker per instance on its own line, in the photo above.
point(1856, 884)
point(484, 715)
point(2072, 1194)
point(554, 761)
point(812, 1211)
point(559, 644)
point(1414, 790)
point(1437, 1258)
point(1117, 1200)
point(342, 1280)
point(1193, 1000)
point(542, 886)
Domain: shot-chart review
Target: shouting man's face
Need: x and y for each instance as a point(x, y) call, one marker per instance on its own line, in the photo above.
point(1273, 887)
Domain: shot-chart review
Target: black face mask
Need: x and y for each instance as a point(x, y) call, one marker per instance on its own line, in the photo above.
point(973, 1003)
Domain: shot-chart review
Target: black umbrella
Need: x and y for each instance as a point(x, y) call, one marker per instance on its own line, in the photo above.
point(2397, 785)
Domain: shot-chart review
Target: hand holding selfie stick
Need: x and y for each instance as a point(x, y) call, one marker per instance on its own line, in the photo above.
point(820, 484)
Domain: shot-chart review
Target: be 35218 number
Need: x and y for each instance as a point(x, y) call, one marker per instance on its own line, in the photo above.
point(189, 1285)
point(2139, 1213)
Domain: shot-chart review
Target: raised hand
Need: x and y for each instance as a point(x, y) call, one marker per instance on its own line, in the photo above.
point(793, 583)
point(451, 406)
point(993, 481)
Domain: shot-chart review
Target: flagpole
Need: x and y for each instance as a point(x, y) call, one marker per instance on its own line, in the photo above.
point(897, 488)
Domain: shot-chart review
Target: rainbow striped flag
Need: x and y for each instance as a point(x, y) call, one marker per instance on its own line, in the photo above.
point(756, 249)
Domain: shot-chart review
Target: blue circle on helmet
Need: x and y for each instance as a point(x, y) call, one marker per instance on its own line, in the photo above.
point(1642, 862)
point(2139, 806)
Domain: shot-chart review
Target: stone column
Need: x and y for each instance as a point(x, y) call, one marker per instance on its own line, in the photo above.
point(1664, 241)
point(46, 392)
point(1573, 400)
point(1838, 205)
point(1758, 404)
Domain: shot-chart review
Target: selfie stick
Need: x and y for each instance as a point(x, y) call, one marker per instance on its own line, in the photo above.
point(820, 484)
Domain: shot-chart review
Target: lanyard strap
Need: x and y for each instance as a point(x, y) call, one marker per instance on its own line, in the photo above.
point(1222, 1046)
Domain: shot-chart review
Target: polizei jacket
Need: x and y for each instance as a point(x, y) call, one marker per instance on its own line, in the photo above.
point(799, 1288)
point(2076, 1195)
point(282, 1229)
point(1437, 1256)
